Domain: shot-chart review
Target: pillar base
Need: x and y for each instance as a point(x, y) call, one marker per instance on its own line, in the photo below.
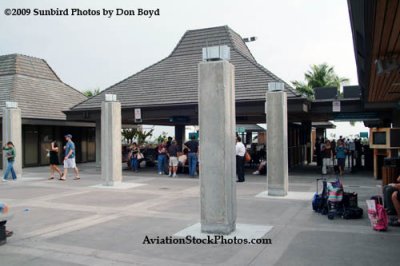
point(220, 229)
point(279, 192)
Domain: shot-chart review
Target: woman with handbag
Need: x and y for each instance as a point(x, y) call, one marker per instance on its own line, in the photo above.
point(134, 157)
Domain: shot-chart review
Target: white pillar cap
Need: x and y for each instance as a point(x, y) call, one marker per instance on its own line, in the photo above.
point(111, 97)
point(276, 86)
point(11, 105)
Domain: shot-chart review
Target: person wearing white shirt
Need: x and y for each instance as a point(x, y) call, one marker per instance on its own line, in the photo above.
point(240, 153)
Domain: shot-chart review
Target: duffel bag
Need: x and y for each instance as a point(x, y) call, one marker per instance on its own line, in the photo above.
point(352, 213)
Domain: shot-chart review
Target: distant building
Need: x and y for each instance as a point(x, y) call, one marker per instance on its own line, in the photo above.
point(42, 96)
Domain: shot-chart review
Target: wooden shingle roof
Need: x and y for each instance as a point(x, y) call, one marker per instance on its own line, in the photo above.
point(174, 80)
point(35, 86)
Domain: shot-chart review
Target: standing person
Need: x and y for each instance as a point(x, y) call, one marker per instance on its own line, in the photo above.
point(69, 159)
point(358, 152)
point(173, 158)
point(162, 156)
point(134, 157)
point(318, 151)
point(10, 155)
point(240, 153)
point(327, 156)
point(54, 161)
point(341, 156)
point(166, 162)
point(193, 148)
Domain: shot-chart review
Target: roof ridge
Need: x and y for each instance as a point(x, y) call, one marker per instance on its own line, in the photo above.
point(187, 31)
point(55, 74)
point(18, 54)
point(254, 61)
point(265, 70)
point(229, 31)
point(179, 42)
point(19, 57)
point(115, 84)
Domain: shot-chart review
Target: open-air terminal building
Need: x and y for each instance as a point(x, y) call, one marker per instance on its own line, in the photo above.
point(167, 94)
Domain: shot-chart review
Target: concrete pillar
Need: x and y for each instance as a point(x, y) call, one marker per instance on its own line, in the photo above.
point(98, 143)
point(217, 147)
point(12, 131)
point(396, 118)
point(180, 134)
point(111, 164)
point(249, 137)
point(320, 132)
point(277, 144)
point(306, 127)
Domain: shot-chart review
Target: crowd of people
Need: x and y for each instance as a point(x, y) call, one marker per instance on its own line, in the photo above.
point(170, 157)
point(334, 153)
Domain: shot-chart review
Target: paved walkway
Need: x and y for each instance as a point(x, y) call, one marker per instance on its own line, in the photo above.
point(73, 223)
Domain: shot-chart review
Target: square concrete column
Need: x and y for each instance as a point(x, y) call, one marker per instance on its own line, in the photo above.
point(98, 143)
point(277, 146)
point(180, 134)
point(12, 131)
point(111, 157)
point(217, 147)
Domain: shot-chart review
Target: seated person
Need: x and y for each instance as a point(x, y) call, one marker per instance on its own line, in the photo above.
point(262, 168)
point(4, 233)
point(182, 160)
point(396, 203)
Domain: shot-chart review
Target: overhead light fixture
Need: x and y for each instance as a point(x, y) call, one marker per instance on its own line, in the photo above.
point(250, 39)
point(385, 66)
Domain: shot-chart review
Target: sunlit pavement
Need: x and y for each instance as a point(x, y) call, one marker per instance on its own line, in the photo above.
point(75, 223)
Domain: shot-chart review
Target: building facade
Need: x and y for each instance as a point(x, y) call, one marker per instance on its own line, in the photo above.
point(42, 98)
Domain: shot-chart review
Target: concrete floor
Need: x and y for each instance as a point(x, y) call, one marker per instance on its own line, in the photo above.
point(73, 223)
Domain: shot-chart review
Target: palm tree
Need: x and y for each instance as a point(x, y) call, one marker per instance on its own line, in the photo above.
point(129, 134)
point(321, 75)
point(142, 135)
point(91, 93)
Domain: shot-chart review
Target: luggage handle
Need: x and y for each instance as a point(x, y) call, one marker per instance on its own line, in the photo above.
point(319, 179)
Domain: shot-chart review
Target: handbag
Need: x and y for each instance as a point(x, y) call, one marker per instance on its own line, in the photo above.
point(247, 157)
point(140, 156)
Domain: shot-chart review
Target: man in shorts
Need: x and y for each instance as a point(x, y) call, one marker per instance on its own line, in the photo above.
point(173, 158)
point(69, 159)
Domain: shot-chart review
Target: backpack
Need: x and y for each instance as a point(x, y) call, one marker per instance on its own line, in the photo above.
point(377, 216)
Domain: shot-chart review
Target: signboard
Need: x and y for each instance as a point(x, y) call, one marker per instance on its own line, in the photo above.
point(195, 134)
point(241, 130)
point(364, 135)
point(138, 115)
point(336, 106)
